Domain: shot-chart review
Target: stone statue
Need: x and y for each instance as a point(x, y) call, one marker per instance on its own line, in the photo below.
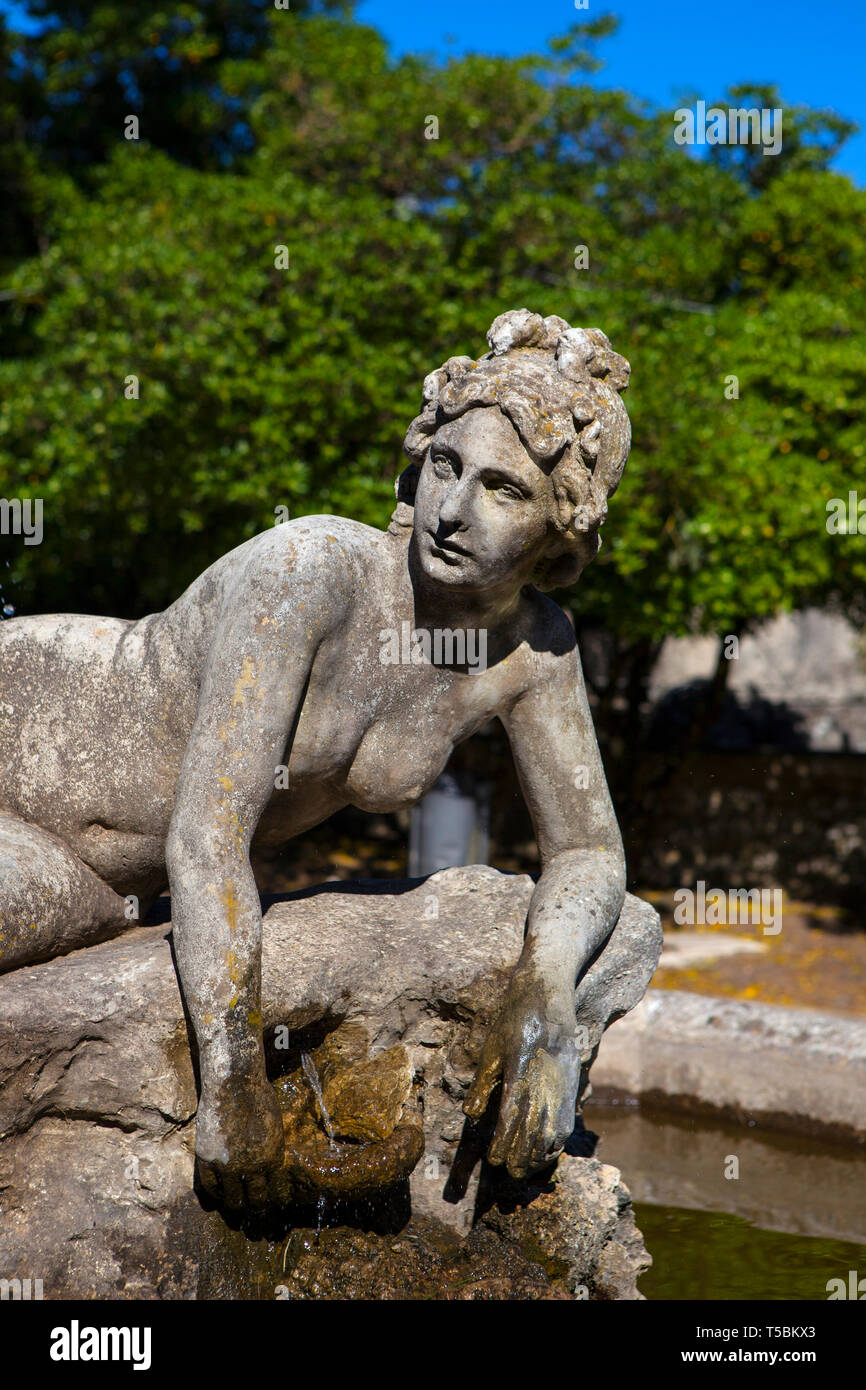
point(136, 754)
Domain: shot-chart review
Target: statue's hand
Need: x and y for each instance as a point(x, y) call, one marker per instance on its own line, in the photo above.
point(532, 1048)
point(239, 1146)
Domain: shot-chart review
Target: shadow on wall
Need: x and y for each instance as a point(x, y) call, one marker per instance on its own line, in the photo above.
point(743, 723)
point(746, 802)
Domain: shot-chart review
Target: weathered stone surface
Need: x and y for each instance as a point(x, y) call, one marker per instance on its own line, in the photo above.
point(796, 1069)
point(365, 1096)
point(98, 1093)
point(573, 1238)
point(426, 1260)
point(580, 1228)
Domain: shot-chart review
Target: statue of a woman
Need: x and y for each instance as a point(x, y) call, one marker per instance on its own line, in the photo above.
point(135, 753)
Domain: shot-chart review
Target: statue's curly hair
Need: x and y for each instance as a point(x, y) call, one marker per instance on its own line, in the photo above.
point(559, 387)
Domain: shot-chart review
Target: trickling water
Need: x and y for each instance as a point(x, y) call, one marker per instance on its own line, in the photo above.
point(312, 1076)
point(320, 1213)
point(7, 609)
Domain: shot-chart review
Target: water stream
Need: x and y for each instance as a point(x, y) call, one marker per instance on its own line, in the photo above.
point(312, 1076)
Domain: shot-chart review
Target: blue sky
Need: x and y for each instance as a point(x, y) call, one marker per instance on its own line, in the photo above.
point(815, 50)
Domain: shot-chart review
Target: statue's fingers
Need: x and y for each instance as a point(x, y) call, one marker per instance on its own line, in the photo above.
point(517, 1160)
point(547, 1145)
point(208, 1177)
point(565, 1121)
point(486, 1077)
point(510, 1110)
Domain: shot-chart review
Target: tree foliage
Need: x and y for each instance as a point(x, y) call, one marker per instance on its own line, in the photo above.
point(262, 387)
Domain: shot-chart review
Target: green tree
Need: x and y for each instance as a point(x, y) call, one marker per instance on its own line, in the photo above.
point(88, 66)
point(263, 386)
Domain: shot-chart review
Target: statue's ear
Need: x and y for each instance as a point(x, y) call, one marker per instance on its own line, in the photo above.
point(402, 517)
point(406, 485)
point(564, 568)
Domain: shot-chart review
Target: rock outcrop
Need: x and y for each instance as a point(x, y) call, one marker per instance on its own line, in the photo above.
point(388, 988)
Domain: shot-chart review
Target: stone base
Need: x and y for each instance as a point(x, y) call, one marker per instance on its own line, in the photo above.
point(98, 1097)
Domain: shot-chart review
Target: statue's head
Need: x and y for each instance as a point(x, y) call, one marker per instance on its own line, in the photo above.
point(514, 456)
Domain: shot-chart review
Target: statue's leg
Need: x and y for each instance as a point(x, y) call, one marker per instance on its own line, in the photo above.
point(50, 901)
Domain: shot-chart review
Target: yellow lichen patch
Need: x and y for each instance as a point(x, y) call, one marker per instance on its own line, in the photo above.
point(254, 1018)
point(246, 678)
point(230, 903)
point(229, 821)
point(233, 972)
point(227, 783)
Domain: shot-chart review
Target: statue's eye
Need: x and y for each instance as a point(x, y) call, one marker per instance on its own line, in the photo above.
point(508, 490)
point(442, 465)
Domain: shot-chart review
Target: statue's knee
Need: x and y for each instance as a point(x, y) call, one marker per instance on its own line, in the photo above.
point(50, 901)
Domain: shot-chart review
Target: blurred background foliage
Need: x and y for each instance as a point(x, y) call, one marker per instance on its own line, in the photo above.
point(263, 387)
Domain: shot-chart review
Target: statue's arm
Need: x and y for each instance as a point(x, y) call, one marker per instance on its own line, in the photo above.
point(582, 886)
point(258, 666)
point(532, 1046)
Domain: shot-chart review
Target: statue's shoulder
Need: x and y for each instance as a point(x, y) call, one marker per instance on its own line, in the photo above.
point(333, 545)
point(547, 638)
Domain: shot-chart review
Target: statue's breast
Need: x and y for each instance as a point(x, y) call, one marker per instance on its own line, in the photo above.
point(380, 737)
point(396, 763)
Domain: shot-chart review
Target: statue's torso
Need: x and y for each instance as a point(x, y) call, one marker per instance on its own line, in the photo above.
point(95, 715)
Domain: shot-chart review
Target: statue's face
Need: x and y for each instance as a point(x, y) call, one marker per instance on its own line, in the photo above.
point(482, 505)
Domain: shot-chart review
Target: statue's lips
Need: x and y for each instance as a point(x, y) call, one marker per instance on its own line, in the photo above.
point(449, 547)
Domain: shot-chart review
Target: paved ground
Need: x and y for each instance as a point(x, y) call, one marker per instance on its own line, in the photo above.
point(817, 960)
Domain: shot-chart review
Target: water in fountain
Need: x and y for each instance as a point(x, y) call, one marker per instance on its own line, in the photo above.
point(312, 1076)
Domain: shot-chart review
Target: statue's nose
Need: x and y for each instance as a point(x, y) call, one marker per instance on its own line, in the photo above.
point(453, 509)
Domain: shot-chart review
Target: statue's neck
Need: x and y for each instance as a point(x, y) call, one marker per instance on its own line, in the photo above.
point(433, 605)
